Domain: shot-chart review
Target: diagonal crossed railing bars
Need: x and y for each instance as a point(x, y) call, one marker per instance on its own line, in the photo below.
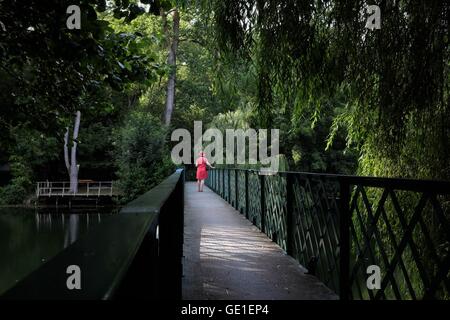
point(338, 226)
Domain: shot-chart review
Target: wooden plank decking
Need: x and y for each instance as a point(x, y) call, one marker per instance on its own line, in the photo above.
point(226, 257)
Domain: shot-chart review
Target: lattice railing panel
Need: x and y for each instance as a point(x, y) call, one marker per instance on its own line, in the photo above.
point(241, 191)
point(333, 224)
point(276, 210)
point(220, 182)
point(316, 227)
point(210, 180)
point(410, 244)
point(254, 198)
point(232, 199)
point(227, 185)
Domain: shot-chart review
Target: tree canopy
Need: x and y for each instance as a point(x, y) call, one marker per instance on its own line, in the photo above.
point(347, 99)
point(391, 85)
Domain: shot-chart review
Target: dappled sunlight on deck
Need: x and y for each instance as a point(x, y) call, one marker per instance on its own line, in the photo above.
point(226, 257)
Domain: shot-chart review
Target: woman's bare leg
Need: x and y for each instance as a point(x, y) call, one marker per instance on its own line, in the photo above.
point(201, 185)
point(198, 185)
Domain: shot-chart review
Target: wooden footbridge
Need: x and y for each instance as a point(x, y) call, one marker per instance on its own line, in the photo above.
point(286, 235)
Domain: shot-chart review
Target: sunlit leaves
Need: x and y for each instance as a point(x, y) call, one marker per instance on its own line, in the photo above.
point(397, 77)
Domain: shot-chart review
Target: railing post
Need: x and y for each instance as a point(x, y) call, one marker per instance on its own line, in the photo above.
point(223, 184)
point(246, 195)
point(289, 214)
point(236, 193)
point(344, 240)
point(229, 186)
point(211, 180)
point(263, 203)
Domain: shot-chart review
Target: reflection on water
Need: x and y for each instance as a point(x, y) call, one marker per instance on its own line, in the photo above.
point(29, 238)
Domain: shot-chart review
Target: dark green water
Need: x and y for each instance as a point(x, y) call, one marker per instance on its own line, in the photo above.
point(29, 238)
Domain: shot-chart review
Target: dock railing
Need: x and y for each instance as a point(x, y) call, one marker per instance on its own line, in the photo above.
point(85, 189)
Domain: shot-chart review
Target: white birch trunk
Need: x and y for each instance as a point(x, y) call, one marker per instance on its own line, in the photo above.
point(73, 159)
point(66, 150)
point(71, 165)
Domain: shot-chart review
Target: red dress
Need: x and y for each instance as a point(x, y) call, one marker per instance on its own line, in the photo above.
point(202, 174)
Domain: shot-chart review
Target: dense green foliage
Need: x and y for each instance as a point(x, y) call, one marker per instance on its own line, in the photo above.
point(46, 68)
point(48, 72)
point(142, 156)
point(113, 70)
point(388, 88)
point(346, 99)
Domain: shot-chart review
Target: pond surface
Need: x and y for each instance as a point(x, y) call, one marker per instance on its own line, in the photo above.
point(29, 238)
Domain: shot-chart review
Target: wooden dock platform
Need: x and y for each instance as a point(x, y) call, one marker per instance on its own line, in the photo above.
point(89, 192)
point(85, 189)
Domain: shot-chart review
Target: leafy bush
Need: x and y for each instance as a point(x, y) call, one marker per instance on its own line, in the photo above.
point(143, 159)
point(15, 192)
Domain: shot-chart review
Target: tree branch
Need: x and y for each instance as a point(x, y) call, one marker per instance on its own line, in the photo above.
point(169, 12)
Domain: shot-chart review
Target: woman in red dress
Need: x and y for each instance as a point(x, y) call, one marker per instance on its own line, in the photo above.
point(202, 174)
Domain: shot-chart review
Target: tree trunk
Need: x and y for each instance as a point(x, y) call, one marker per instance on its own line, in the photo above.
point(72, 166)
point(172, 62)
point(66, 150)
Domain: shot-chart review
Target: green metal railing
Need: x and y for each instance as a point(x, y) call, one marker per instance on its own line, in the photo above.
point(135, 254)
point(338, 225)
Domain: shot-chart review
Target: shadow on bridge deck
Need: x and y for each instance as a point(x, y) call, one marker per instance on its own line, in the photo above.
point(226, 257)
